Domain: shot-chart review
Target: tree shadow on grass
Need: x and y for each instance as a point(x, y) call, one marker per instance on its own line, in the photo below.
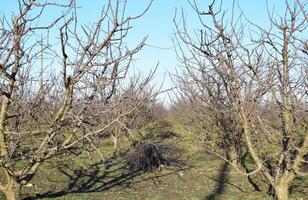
point(110, 174)
point(94, 178)
point(221, 182)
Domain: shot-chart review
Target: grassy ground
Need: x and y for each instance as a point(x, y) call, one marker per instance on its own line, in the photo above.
point(204, 177)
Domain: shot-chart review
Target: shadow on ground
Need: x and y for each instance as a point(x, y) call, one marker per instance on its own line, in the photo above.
point(113, 173)
point(221, 182)
point(94, 178)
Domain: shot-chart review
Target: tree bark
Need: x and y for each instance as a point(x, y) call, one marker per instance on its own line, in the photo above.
point(281, 191)
point(12, 190)
point(115, 142)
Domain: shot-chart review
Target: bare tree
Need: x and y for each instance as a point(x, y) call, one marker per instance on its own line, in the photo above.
point(137, 96)
point(189, 110)
point(52, 115)
point(238, 71)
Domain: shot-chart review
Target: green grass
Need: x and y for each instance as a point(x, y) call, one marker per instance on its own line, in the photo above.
point(82, 178)
point(20, 164)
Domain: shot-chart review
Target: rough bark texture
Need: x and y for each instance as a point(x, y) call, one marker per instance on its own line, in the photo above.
point(281, 191)
point(12, 190)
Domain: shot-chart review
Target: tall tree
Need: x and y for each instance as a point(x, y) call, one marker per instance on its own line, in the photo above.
point(237, 71)
point(51, 115)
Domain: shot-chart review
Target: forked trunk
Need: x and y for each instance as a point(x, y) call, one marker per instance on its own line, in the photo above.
point(281, 191)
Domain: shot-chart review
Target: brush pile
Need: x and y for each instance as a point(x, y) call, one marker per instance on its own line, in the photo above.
point(147, 156)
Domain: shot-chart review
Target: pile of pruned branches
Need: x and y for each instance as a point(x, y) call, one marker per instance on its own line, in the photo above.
point(146, 156)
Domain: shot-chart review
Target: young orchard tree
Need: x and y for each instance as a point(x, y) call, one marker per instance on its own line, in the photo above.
point(134, 96)
point(39, 119)
point(189, 109)
point(240, 70)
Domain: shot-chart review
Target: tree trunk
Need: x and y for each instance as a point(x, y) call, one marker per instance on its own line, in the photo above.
point(12, 190)
point(231, 155)
point(281, 191)
point(115, 142)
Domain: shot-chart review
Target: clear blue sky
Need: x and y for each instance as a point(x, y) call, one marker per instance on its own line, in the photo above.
point(158, 26)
